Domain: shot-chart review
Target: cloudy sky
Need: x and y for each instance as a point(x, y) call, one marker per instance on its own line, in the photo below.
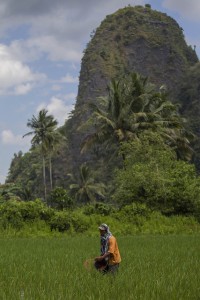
point(41, 46)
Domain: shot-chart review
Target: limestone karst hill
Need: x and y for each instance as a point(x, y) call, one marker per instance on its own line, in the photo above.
point(135, 39)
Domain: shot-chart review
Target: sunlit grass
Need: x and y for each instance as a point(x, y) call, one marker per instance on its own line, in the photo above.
point(153, 267)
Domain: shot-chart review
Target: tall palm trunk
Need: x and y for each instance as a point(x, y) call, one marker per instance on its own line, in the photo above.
point(44, 178)
point(50, 172)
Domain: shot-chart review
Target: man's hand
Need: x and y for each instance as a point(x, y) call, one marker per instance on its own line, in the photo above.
point(98, 258)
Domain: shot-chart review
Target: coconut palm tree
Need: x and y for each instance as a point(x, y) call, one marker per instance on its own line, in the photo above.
point(55, 140)
point(84, 186)
point(171, 125)
point(43, 130)
point(111, 116)
point(132, 105)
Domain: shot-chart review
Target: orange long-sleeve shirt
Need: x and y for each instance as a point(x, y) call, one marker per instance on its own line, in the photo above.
point(113, 249)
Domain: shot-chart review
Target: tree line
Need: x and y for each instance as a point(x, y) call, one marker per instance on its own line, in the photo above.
point(142, 147)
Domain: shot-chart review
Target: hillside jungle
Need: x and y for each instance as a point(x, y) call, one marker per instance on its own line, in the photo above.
point(130, 152)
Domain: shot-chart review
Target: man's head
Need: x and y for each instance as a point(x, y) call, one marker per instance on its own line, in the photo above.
point(103, 228)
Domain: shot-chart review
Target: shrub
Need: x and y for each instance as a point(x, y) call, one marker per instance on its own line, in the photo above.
point(10, 215)
point(60, 199)
point(65, 221)
point(15, 213)
point(134, 213)
point(61, 221)
point(89, 209)
point(103, 209)
point(80, 222)
point(98, 208)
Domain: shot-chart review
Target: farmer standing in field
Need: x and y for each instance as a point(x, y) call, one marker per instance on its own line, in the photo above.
point(108, 261)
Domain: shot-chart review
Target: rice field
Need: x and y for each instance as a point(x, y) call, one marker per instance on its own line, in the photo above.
point(153, 267)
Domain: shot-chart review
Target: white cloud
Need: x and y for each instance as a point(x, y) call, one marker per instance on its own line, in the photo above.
point(15, 77)
point(23, 89)
point(24, 50)
point(65, 50)
point(56, 87)
point(189, 9)
point(58, 108)
point(69, 79)
point(8, 138)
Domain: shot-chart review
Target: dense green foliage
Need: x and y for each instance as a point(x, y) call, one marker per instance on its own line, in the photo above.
point(153, 267)
point(189, 96)
point(15, 214)
point(152, 175)
point(35, 218)
point(152, 137)
point(84, 188)
point(60, 198)
point(132, 106)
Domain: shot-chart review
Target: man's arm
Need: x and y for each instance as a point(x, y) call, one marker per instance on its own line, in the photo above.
point(111, 244)
point(102, 257)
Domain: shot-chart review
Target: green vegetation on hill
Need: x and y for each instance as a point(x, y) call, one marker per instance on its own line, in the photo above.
point(189, 95)
point(133, 39)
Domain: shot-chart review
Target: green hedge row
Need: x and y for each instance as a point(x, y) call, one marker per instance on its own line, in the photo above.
point(131, 219)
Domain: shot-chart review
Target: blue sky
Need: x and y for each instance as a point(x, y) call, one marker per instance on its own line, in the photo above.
point(41, 46)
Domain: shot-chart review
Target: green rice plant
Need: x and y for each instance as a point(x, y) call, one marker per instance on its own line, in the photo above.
point(152, 267)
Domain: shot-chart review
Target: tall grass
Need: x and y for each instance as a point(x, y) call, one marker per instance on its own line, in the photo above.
point(153, 267)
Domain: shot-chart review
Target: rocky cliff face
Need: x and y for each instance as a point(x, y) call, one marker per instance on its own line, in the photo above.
point(132, 39)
